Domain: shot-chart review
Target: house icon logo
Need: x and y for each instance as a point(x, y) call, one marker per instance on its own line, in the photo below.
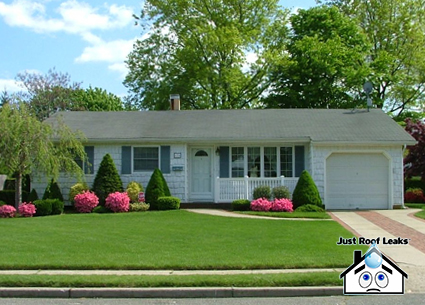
point(373, 273)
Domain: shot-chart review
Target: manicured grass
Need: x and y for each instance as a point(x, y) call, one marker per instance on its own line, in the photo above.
point(247, 280)
point(420, 214)
point(169, 240)
point(415, 205)
point(312, 215)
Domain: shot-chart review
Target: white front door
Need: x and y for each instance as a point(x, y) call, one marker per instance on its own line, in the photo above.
point(201, 177)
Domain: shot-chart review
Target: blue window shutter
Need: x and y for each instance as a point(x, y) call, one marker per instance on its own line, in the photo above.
point(224, 161)
point(299, 160)
point(125, 160)
point(165, 159)
point(88, 169)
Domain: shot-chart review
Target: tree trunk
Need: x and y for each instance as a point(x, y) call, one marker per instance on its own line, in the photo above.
point(18, 190)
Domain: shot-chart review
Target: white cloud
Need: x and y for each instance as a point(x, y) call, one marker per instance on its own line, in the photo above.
point(75, 17)
point(10, 85)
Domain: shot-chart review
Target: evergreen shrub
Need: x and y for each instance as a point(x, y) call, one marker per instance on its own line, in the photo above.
point(156, 188)
point(168, 203)
point(306, 192)
point(107, 180)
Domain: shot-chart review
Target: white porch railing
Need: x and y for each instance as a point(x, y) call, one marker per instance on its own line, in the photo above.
point(229, 189)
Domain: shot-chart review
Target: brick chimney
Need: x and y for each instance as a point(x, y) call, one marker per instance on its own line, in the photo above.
point(175, 102)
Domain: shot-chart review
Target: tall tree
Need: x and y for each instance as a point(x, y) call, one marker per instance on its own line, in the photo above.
point(28, 145)
point(325, 68)
point(199, 49)
point(415, 161)
point(97, 99)
point(45, 94)
point(395, 29)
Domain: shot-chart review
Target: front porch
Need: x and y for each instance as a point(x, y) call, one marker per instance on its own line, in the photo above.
point(229, 189)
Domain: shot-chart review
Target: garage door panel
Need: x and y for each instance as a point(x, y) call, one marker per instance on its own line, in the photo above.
point(357, 181)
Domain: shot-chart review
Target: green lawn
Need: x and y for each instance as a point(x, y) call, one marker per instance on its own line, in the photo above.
point(169, 240)
point(310, 215)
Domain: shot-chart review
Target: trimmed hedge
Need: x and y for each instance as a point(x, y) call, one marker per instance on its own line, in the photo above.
point(280, 192)
point(262, 191)
point(44, 207)
point(241, 205)
point(306, 192)
point(309, 208)
point(57, 206)
point(168, 203)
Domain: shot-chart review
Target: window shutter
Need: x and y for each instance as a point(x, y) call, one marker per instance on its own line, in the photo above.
point(299, 160)
point(224, 161)
point(88, 169)
point(126, 160)
point(165, 159)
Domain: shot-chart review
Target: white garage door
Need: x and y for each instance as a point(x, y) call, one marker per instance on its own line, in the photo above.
point(357, 181)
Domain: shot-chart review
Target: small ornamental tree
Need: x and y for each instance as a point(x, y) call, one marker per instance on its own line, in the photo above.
point(107, 180)
point(306, 192)
point(157, 187)
point(414, 161)
point(53, 191)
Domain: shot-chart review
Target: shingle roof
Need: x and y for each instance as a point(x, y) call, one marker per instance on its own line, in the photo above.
point(317, 125)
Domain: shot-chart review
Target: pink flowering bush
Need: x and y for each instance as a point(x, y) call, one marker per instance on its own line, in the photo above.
point(118, 202)
point(7, 211)
point(282, 205)
point(27, 209)
point(85, 202)
point(261, 204)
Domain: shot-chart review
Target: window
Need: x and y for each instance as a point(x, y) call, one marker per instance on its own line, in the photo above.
point(270, 162)
point(87, 167)
point(254, 162)
point(145, 158)
point(238, 162)
point(286, 163)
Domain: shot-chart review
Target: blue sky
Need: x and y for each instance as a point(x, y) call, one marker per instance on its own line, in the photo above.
point(87, 39)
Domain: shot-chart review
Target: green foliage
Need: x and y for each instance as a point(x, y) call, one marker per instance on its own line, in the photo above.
point(107, 179)
point(133, 190)
point(2, 203)
point(414, 183)
point(262, 191)
point(157, 187)
point(280, 192)
point(53, 191)
point(100, 209)
point(206, 59)
point(241, 205)
point(326, 67)
point(33, 196)
point(139, 207)
point(8, 196)
point(9, 185)
point(77, 188)
point(309, 208)
point(44, 207)
point(168, 203)
point(306, 192)
point(26, 145)
point(57, 206)
point(97, 99)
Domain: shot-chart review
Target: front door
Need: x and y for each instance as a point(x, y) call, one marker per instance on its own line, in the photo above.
point(201, 178)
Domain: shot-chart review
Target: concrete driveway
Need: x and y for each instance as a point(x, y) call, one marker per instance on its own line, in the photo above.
point(393, 224)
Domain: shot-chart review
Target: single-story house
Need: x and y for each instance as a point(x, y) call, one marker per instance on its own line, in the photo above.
point(215, 156)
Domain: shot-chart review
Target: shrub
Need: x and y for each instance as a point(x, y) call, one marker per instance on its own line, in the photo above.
point(85, 202)
point(306, 192)
point(118, 202)
point(43, 207)
point(414, 184)
point(282, 205)
point(168, 203)
point(100, 209)
point(262, 191)
point(133, 190)
point(261, 204)
point(107, 179)
point(57, 206)
point(33, 196)
point(139, 207)
point(53, 191)
point(2, 203)
point(77, 188)
point(27, 209)
point(7, 211)
point(241, 205)
point(414, 195)
point(8, 196)
point(280, 192)
point(157, 187)
point(310, 208)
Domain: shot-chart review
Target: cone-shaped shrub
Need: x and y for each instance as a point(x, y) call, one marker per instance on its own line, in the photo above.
point(306, 192)
point(157, 187)
point(107, 180)
point(33, 196)
point(53, 191)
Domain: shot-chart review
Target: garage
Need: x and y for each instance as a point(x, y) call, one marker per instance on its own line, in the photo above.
point(357, 181)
